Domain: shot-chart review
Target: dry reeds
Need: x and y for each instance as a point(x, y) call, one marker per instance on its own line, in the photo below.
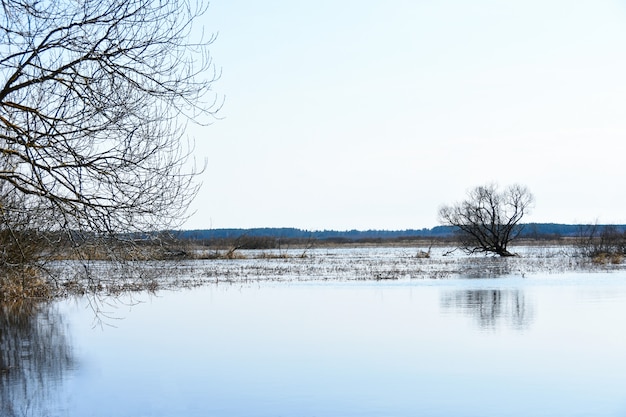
point(605, 258)
point(25, 284)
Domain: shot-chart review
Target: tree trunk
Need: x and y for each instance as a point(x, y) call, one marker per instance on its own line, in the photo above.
point(504, 252)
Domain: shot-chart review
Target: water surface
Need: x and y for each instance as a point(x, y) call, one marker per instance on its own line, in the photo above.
point(548, 345)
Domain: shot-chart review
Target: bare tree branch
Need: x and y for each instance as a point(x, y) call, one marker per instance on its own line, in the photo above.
point(95, 97)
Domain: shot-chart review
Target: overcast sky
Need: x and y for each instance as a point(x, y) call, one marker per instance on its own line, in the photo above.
point(371, 115)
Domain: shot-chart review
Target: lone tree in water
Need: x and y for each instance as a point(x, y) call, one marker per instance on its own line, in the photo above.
point(488, 220)
point(95, 96)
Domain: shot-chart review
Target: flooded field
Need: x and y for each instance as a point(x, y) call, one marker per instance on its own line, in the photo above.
point(336, 332)
point(388, 263)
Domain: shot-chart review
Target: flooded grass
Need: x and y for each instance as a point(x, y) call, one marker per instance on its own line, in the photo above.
point(373, 263)
point(390, 263)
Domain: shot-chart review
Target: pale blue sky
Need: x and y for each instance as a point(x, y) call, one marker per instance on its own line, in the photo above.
point(371, 114)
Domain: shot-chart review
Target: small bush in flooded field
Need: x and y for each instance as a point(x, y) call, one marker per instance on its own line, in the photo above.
point(607, 258)
point(273, 255)
point(603, 244)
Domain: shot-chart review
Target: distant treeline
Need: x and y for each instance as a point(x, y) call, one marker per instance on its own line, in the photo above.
point(530, 230)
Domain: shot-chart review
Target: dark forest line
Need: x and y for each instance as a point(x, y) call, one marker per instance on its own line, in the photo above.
point(530, 230)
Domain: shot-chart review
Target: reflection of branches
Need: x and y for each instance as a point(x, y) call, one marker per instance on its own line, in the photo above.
point(34, 357)
point(490, 306)
point(485, 267)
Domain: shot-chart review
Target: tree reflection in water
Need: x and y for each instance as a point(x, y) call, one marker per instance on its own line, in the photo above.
point(492, 307)
point(486, 267)
point(35, 356)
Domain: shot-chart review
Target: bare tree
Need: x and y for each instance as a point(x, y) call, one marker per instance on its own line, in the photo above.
point(95, 96)
point(488, 220)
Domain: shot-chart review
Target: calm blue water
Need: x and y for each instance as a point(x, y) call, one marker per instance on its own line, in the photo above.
point(551, 345)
